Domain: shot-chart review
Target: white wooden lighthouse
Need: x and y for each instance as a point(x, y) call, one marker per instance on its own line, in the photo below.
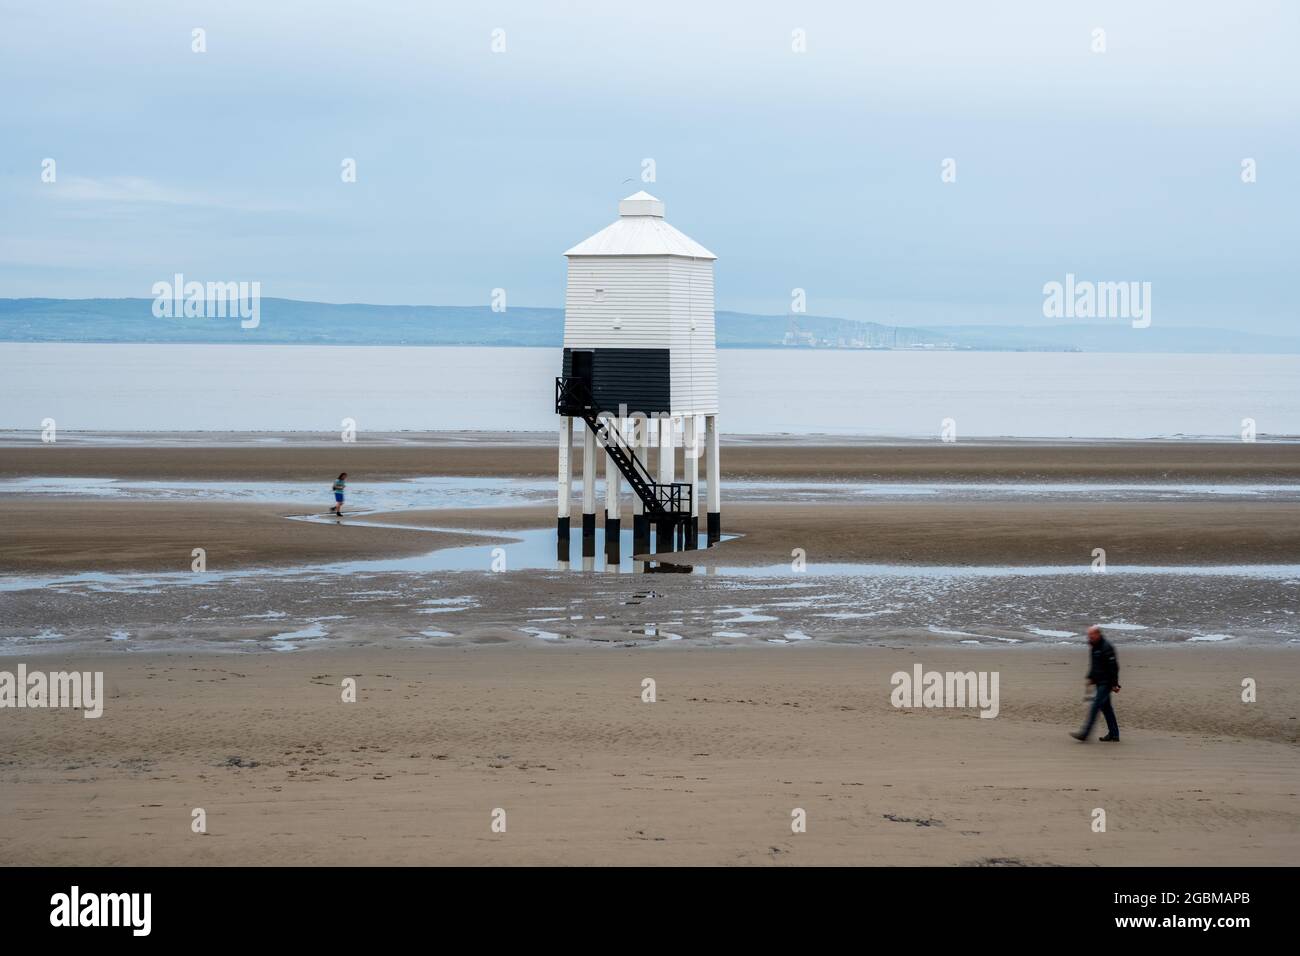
point(640, 372)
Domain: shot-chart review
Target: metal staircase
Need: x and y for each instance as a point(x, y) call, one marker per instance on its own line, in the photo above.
point(670, 502)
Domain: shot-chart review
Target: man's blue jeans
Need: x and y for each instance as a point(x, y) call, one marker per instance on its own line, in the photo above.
point(1101, 704)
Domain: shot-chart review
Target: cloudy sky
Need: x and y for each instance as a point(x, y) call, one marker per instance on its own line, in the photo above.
point(818, 170)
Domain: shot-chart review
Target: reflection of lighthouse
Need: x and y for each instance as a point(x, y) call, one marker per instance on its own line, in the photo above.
point(640, 369)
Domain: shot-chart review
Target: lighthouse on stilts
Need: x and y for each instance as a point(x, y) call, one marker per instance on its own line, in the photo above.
point(640, 373)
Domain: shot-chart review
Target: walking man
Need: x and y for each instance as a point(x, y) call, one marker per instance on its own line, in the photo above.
point(1103, 675)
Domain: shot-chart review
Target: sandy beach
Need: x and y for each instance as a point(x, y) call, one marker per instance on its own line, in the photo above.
point(493, 455)
point(521, 690)
point(738, 738)
point(65, 532)
point(79, 534)
point(49, 536)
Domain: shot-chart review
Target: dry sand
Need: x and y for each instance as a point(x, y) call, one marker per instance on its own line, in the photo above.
point(709, 774)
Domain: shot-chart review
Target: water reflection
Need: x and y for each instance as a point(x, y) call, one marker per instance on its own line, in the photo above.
point(606, 553)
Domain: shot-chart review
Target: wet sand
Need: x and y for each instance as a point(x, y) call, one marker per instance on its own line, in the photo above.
point(967, 533)
point(909, 461)
point(981, 533)
point(710, 773)
point(45, 533)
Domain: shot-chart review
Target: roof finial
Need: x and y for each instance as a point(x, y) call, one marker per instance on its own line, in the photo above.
point(641, 204)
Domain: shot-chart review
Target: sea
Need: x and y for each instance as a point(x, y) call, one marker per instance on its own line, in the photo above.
point(902, 394)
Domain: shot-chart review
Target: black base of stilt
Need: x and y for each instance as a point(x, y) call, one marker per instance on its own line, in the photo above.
point(640, 534)
point(588, 536)
point(692, 534)
point(562, 539)
point(613, 541)
point(714, 527)
point(663, 536)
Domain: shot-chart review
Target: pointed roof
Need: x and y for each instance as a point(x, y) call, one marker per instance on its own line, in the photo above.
point(640, 231)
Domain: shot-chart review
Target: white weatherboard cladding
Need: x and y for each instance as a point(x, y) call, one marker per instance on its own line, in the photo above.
point(694, 357)
point(649, 302)
point(617, 302)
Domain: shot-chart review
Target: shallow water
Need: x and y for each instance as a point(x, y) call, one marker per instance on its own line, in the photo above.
point(536, 549)
point(526, 550)
point(454, 491)
point(532, 549)
point(432, 492)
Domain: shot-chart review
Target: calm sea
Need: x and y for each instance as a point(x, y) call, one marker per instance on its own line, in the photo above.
point(313, 388)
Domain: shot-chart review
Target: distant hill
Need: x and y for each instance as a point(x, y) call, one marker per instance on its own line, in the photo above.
point(288, 321)
point(282, 321)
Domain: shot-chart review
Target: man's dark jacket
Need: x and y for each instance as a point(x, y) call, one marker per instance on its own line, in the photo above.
point(1104, 666)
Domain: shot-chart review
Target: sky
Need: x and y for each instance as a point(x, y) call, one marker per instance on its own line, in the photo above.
point(819, 168)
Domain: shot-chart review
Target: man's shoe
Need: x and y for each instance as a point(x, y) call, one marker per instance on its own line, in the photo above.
point(1078, 736)
point(1108, 739)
